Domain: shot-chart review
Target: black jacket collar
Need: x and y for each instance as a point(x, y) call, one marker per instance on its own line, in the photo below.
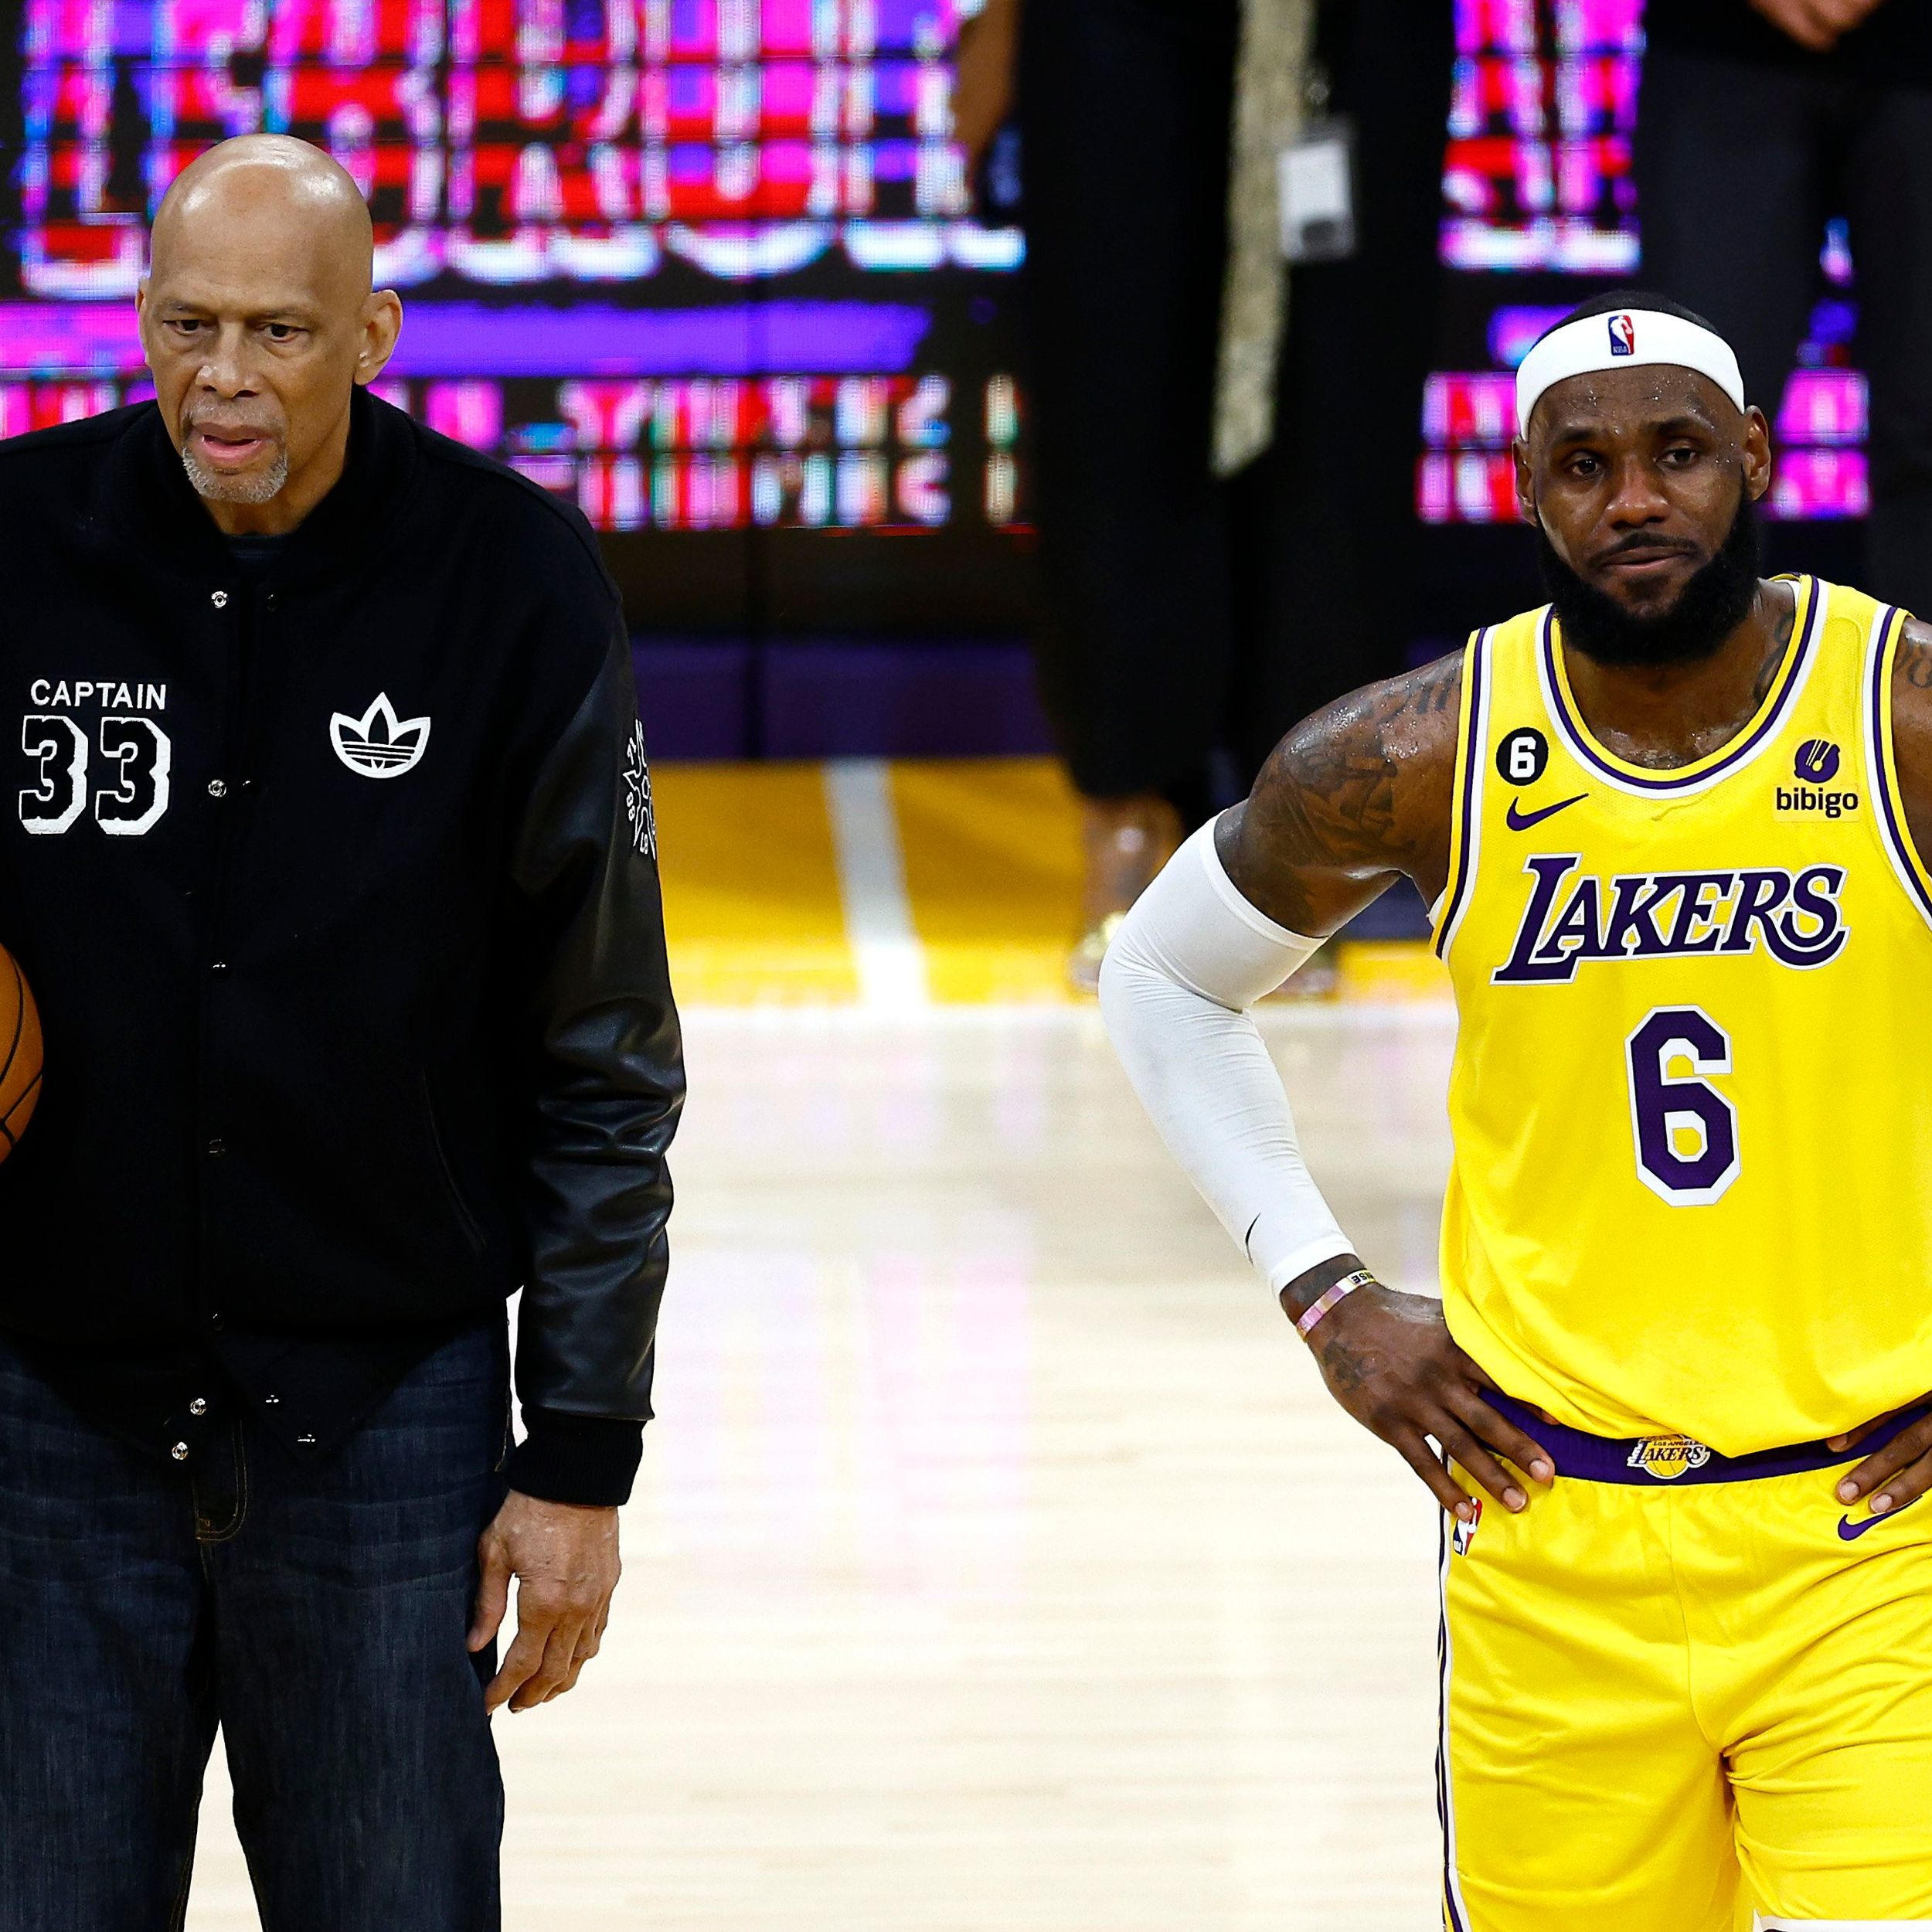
point(146, 511)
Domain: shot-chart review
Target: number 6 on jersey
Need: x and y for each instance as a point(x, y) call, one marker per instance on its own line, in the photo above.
point(1685, 1130)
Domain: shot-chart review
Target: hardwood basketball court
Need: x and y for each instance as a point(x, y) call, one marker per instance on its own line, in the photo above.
point(998, 1564)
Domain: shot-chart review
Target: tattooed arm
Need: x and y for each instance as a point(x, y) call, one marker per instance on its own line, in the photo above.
point(1357, 794)
point(1912, 730)
point(1352, 796)
point(1901, 1472)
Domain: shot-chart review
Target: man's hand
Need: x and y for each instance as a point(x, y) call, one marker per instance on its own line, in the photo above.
point(1817, 24)
point(1389, 1359)
point(1900, 1473)
point(565, 1559)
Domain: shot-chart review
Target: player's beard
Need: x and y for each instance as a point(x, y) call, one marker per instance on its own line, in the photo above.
point(1709, 608)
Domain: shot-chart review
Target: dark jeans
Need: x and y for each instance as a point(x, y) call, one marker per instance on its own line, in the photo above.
point(1739, 168)
point(316, 1611)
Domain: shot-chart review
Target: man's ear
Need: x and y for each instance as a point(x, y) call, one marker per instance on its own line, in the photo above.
point(382, 324)
point(1525, 484)
point(1757, 452)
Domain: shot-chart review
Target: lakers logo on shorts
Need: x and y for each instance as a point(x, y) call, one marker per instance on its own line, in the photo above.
point(1666, 1458)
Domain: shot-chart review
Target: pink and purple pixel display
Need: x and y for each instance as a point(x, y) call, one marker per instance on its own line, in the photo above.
point(709, 263)
point(680, 258)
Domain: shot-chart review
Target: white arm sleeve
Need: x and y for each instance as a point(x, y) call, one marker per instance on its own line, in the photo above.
point(1187, 962)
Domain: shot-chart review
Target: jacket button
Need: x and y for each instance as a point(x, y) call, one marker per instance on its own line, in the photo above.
point(220, 599)
point(217, 1146)
point(199, 1406)
point(217, 788)
point(179, 1452)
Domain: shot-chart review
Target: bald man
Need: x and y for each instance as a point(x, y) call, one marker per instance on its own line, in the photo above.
point(327, 846)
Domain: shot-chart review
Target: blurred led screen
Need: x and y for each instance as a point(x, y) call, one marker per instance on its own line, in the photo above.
point(711, 265)
point(699, 265)
point(1537, 183)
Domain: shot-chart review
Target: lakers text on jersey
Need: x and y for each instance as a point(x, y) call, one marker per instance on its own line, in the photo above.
point(1692, 1194)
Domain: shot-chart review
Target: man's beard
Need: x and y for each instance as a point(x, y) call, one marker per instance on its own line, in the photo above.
point(218, 488)
point(1709, 608)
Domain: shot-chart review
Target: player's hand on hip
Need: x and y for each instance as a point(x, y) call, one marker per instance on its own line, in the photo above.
point(1390, 1360)
point(564, 1558)
point(1900, 1473)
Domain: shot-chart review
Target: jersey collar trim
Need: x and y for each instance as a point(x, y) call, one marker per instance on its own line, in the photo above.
point(1447, 912)
point(1707, 770)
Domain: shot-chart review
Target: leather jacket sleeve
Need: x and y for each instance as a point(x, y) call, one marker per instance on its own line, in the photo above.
point(607, 1073)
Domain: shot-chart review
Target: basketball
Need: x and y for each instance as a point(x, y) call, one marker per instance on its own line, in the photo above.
point(20, 1071)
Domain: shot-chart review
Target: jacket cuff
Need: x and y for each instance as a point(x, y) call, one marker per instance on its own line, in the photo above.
point(588, 1459)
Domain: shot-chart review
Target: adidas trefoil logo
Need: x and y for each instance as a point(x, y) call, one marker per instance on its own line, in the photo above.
point(378, 744)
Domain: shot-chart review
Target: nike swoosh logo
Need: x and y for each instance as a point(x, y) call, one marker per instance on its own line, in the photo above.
point(1521, 820)
point(1850, 1531)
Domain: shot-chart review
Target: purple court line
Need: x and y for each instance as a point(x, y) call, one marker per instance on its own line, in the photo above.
point(468, 339)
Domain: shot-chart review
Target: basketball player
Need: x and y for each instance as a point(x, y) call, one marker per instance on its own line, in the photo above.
point(1673, 827)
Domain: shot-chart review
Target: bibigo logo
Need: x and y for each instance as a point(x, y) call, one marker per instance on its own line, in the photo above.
point(1816, 762)
point(1666, 1458)
point(1815, 765)
point(378, 744)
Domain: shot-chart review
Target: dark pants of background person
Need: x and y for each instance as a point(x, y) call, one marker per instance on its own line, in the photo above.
point(1740, 166)
point(1182, 614)
point(318, 1612)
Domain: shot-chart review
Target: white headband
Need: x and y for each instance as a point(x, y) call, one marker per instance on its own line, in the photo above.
point(1625, 339)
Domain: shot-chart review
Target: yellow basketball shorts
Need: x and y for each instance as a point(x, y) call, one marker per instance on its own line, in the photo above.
point(1686, 1693)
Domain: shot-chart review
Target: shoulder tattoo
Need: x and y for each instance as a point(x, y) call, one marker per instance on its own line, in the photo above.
point(1355, 792)
point(1915, 654)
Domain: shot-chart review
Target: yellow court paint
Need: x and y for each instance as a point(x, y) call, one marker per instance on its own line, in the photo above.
point(990, 855)
point(751, 900)
point(1390, 972)
point(992, 860)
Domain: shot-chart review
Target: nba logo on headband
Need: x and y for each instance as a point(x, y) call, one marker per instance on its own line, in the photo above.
point(1578, 348)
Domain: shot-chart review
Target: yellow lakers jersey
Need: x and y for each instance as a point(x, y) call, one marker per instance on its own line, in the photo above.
point(1692, 1182)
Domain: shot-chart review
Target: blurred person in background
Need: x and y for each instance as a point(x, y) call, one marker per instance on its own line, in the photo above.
point(1207, 581)
point(1759, 121)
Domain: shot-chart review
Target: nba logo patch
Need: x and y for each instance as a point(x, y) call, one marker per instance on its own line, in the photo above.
point(1623, 335)
point(1461, 1534)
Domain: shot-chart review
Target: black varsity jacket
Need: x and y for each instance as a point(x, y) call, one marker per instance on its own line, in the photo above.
point(337, 890)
